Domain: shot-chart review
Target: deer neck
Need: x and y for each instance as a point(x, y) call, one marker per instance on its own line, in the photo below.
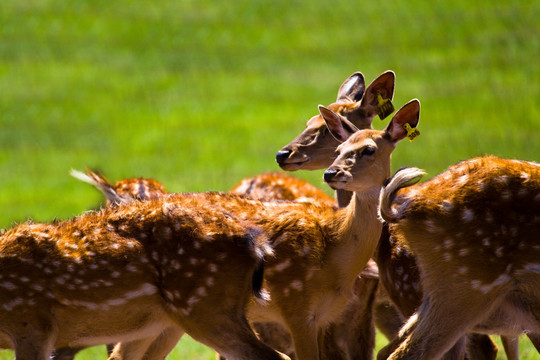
point(358, 230)
point(343, 197)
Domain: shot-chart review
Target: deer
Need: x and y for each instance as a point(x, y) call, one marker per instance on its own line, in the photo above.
point(136, 274)
point(122, 192)
point(340, 341)
point(476, 226)
point(352, 336)
point(272, 186)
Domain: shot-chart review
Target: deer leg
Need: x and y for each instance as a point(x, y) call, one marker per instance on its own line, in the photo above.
point(387, 319)
point(164, 344)
point(535, 339)
point(439, 326)
point(511, 347)
point(232, 338)
point(305, 339)
point(35, 338)
point(481, 347)
point(65, 353)
point(131, 350)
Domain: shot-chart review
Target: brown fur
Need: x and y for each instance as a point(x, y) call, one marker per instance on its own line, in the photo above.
point(476, 226)
point(113, 275)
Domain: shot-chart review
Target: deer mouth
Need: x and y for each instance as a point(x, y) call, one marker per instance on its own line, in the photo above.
point(293, 166)
point(338, 184)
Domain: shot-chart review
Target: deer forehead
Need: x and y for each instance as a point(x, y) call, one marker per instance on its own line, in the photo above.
point(361, 139)
point(317, 121)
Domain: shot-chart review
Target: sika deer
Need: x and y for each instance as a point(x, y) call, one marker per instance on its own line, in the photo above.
point(476, 226)
point(353, 337)
point(127, 274)
point(122, 192)
point(280, 186)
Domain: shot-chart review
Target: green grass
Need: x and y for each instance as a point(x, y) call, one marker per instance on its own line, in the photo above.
point(199, 94)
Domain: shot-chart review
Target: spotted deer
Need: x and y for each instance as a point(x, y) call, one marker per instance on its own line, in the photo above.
point(476, 226)
point(352, 335)
point(274, 186)
point(341, 342)
point(137, 274)
point(122, 192)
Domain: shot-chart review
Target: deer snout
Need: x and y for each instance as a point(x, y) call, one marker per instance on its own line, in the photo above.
point(282, 156)
point(329, 175)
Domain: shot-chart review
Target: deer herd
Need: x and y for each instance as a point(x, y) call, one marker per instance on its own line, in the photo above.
point(277, 269)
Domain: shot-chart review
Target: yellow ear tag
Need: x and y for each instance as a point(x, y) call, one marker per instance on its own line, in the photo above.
point(385, 107)
point(412, 133)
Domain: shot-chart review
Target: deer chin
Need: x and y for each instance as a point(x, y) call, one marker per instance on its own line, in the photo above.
point(293, 166)
point(339, 184)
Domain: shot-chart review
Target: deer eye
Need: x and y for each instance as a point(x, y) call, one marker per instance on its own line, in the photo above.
point(368, 150)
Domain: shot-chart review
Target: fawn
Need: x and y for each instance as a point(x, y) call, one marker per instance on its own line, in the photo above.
point(352, 335)
point(122, 192)
point(476, 226)
point(139, 273)
point(358, 342)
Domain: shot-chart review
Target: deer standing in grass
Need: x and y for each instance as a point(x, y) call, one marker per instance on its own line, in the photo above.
point(140, 273)
point(474, 229)
point(339, 344)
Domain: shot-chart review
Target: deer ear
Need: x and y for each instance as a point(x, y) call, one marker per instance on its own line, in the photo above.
point(408, 114)
point(340, 128)
point(383, 85)
point(353, 88)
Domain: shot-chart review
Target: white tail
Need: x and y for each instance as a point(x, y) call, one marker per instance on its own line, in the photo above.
point(402, 178)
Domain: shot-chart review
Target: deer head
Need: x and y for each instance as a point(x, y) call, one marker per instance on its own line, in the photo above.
point(363, 157)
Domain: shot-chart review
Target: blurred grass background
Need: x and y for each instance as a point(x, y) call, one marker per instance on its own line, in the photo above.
point(200, 94)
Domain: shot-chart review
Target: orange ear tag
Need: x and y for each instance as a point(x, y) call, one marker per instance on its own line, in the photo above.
point(412, 133)
point(384, 107)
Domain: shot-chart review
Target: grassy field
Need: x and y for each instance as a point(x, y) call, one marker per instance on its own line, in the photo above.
point(200, 94)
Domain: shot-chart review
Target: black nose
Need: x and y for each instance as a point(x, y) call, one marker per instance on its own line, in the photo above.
point(282, 155)
point(329, 175)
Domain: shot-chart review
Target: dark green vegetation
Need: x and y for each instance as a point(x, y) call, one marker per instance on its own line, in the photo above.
point(200, 94)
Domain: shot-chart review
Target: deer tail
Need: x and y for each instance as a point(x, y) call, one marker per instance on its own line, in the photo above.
point(404, 177)
point(102, 184)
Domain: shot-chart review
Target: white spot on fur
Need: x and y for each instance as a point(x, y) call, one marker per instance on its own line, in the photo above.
point(467, 215)
point(297, 285)
point(447, 205)
point(282, 266)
